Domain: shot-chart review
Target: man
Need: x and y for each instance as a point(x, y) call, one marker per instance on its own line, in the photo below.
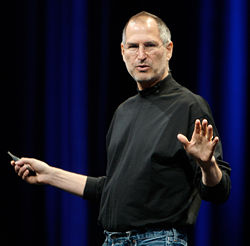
point(155, 176)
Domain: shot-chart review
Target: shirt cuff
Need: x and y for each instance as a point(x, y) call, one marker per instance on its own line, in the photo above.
point(93, 188)
point(218, 193)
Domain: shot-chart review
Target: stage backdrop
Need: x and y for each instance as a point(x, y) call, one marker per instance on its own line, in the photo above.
point(63, 79)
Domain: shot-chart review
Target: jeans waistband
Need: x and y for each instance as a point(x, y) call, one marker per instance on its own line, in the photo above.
point(143, 234)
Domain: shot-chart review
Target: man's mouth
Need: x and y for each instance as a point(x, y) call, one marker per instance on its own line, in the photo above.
point(142, 68)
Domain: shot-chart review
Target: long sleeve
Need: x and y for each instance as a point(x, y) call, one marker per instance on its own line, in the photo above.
point(220, 192)
point(93, 188)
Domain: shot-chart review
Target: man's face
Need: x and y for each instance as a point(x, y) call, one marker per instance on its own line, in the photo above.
point(144, 54)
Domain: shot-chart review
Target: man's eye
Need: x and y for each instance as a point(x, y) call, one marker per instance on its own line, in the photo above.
point(133, 46)
point(150, 45)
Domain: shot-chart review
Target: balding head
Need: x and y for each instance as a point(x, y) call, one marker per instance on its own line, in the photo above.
point(146, 18)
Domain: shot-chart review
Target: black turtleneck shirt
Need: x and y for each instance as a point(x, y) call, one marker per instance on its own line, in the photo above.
point(150, 180)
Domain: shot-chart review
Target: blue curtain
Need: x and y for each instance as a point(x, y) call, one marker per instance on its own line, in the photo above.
point(69, 79)
point(224, 45)
point(66, 112)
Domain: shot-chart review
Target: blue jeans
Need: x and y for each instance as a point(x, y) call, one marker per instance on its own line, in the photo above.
point(170, 237)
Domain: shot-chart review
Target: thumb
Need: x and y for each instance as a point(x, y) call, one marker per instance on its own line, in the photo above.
point(27, 161)
point(183, 140)
point(23, 161)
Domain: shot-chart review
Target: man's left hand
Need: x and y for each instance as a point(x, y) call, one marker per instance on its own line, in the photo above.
point(201, 146)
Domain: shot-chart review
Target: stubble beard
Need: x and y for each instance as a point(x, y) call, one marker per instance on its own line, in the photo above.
point(147, 81)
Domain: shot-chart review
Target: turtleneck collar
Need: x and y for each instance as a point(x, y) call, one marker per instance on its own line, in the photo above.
point(156, 89)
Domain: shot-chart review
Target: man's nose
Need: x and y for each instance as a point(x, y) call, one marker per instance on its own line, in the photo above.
point(141, 52)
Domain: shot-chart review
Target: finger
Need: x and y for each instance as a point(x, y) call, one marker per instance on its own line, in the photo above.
point(22, 170)
point(25, 174)
point(204, 127)
point(12, 163)
point(17, 168)
point(209, 132)
point(23, 161)
point(183, 140)
point(26, 161)
point(214, 142)
point(197, 127)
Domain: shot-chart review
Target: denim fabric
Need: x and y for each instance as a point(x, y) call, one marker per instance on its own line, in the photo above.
point(170, 237)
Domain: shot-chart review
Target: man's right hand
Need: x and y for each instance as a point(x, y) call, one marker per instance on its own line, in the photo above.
point(41, 169)
point(45, 174)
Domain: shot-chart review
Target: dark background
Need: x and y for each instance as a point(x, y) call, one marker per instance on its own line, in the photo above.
point(204, 59)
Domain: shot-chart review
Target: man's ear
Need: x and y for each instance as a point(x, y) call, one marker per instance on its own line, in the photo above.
point(122, 50)
point(169, 48)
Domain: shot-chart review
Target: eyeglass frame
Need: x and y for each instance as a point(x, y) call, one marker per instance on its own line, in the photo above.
point(148, 52)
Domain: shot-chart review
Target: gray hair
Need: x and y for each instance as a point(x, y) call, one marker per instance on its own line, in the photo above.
point(165, 34)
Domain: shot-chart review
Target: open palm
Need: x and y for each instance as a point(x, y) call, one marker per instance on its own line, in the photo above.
point(202, 145)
